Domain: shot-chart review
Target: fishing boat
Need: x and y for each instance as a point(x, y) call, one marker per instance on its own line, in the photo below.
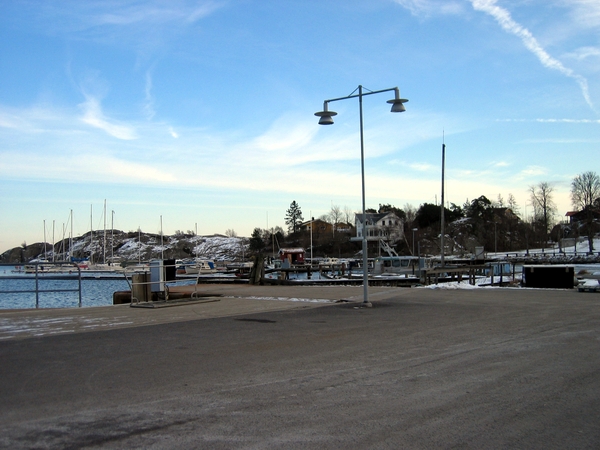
point(397, 265)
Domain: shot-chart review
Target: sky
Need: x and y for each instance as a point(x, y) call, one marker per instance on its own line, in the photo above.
point(199, 114)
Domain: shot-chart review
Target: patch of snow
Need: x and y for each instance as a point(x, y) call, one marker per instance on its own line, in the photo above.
point(292, 299)
point(452, 286)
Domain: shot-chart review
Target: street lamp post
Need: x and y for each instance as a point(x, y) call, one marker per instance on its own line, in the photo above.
point(326, 118)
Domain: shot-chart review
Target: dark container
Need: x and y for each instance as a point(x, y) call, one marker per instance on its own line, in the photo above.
point(556, 277)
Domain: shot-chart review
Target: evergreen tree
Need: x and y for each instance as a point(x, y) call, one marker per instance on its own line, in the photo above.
point(257, 243)
point(293, 217)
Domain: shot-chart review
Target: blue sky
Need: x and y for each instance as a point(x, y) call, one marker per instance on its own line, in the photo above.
point(201, 112)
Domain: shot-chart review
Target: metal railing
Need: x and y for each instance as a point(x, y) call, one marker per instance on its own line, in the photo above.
point(39, 271)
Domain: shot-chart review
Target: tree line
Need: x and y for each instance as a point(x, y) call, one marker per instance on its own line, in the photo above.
point(496, 225)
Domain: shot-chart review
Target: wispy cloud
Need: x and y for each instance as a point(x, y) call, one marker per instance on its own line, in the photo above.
point(36, 119)
point(75, 15)
point(431, 7)
point(148, 26)
point(592, 121)
point(532, 171)
point(93, 116)
point(586, 13)
point(561, 141)
point(422, 167)
point(508, 24)
point(584, 53)
point(84, 166)
point(8, 120)
point(156, 12)
point(285, 135)
point(149, 111)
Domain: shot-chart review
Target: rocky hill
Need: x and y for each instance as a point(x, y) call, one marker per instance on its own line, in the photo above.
point(121, 247)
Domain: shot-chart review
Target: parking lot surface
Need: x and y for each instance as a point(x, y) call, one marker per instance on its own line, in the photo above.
point(277, 368)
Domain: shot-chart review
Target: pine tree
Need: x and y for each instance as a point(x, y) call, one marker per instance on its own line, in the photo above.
point(293, 217)
point(257, 243)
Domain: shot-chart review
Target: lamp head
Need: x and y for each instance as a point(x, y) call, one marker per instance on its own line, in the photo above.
point(326, 119)
point(397, 102)
point(326, 116)
point(397, 105)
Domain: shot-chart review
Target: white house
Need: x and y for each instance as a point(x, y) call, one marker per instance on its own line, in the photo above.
point(386, 226)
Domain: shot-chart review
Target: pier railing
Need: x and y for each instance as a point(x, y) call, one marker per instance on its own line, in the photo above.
point(42, 271)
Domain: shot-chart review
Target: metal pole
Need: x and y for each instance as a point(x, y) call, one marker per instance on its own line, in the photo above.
point(45, 253)
point(112, 236)
point(364, 214)
point(413, 252)
point(139, 245)
point(71, 238)
point(37, 287)
point(312, 220)
point(495, 237)
point(79, 280)
point(91, 233)
point(442, 210)
point(419, 250)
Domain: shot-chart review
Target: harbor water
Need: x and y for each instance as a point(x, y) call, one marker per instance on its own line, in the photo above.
point(95, 290)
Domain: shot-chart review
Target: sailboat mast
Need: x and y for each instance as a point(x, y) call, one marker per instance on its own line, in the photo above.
point(45, 253)
point(112, 235)
point(104, 243)
point(91, 233)
point(71, 238)
point(162, 248)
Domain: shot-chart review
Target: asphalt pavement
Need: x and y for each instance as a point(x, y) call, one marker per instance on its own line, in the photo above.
point(308, 368)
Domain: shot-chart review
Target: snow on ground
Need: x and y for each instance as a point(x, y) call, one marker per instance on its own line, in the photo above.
point(581, 248)
point(480, 283)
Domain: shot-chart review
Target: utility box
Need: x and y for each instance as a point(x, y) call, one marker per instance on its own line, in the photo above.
point(555, 277)
point(161, 271)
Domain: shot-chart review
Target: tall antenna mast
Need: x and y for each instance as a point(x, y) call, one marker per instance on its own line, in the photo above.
point(442, 231)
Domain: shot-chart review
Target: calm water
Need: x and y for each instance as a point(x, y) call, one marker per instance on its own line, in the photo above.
point(94, 291)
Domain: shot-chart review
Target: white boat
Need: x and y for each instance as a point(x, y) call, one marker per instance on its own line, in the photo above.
point(200, 266)
point(396, 265)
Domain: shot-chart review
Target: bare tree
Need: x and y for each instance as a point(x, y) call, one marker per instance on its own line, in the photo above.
point(411, 214)
point(543, 204)
point(512, 204)
point(230, 233)
point(499, 202)
point(348, 215)
point(335, 216)
point(585, 190)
